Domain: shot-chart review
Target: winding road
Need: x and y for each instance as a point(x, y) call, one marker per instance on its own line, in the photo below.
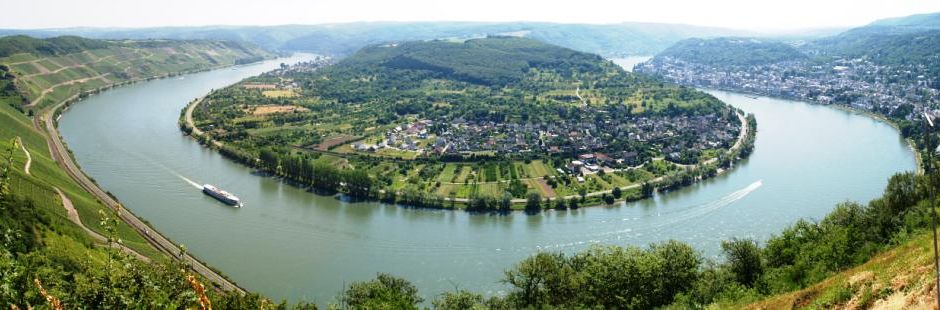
point(73, 216)
point(45, 122)
point(69, 82)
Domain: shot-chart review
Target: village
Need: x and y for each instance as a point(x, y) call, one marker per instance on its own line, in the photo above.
point(591, 144)
point(902, 91)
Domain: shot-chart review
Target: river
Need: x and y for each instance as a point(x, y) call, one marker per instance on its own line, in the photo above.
point(292, 244)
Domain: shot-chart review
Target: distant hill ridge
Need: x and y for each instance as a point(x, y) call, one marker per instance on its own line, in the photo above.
point(902, 40)
point(346, 38)
point(52, 70)
point(495, 60)
point(47, 47)
point(732, 51)
point(912, 23)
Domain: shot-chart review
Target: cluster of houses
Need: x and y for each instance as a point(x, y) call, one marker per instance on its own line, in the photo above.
point(317, 62)
point(405, 137)
point(858, 83)
point(588, 163)
point(607, 141)
point(619, 136)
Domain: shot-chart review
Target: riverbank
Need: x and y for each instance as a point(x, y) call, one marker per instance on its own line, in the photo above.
point(47, 121)
point(878, 117)
point(910, 142)
point(321, 242)
point(699, 172)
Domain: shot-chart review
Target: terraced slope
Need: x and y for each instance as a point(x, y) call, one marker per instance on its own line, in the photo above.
point(53, 70)
point(40, 76)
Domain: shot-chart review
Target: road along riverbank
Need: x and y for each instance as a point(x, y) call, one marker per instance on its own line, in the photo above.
point(46, 121)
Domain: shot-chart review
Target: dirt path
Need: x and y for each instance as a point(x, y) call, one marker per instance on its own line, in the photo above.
point(189, 121)
point(577, 92)
point(82, 65)
point(189, 116)
point(29, 158)
point(547, 189)
point(73, 216)
point(492, 182)
point(42, 68)
point(53, 87)
point(44, 122)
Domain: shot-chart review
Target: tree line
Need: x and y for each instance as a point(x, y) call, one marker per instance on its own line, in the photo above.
point(673, 275)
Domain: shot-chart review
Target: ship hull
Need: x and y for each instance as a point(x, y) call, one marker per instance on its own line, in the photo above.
point(220, 197)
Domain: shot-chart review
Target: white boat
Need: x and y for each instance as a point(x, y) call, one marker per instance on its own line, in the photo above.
point(221, 195)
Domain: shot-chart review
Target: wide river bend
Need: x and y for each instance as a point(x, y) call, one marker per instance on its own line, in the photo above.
point(289, 243)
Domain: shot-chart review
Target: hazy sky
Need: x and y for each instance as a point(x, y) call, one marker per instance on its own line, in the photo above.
point(744, 14)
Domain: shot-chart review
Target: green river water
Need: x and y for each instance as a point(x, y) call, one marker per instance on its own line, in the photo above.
point(289, 243)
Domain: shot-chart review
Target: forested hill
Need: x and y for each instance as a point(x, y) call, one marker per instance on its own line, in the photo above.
point(886, 48)
point(51, 70)
point(897, 41)
point(732, 52)
point(502, 76)
point(47, 47)
point(496, 61)
point(902, 25)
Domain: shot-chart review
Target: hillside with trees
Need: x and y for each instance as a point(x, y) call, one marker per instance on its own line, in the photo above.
point(732, 52)
point(888, 68)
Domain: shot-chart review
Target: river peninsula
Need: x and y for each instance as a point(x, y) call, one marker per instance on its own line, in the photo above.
point(321, 242)
point(508, 123)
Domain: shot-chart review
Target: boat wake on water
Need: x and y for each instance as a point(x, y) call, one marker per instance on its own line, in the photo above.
point(670, 219)
point(706, 208)
point(191, 182)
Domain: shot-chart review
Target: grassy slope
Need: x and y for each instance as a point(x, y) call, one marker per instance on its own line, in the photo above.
point(899, 278)
point(45, 174)
point(46, 78)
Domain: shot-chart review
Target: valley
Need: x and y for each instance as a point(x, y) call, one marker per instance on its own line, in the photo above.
point(730, 170)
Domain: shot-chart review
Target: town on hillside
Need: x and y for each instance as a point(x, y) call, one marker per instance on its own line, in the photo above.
point(899, 91)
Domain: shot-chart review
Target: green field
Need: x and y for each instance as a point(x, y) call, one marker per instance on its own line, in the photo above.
point(46, 175)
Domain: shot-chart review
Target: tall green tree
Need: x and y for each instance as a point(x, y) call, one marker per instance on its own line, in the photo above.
point(383, 292)
point(533, 203)
point(744, 260)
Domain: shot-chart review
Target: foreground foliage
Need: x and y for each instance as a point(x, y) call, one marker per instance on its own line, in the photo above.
point(46, 260)
point(674, 275)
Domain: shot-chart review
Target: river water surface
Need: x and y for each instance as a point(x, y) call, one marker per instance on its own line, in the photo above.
point(289, 243)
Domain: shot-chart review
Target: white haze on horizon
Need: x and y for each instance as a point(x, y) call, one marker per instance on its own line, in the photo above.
point(754, 15)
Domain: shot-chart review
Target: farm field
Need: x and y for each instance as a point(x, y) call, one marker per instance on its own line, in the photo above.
point(466, 129)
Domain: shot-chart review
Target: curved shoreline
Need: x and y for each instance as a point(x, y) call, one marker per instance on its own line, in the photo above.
point(341, 240)
point(911, 144)
point(188, 126)
point(46, 121)
point(918, 159)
